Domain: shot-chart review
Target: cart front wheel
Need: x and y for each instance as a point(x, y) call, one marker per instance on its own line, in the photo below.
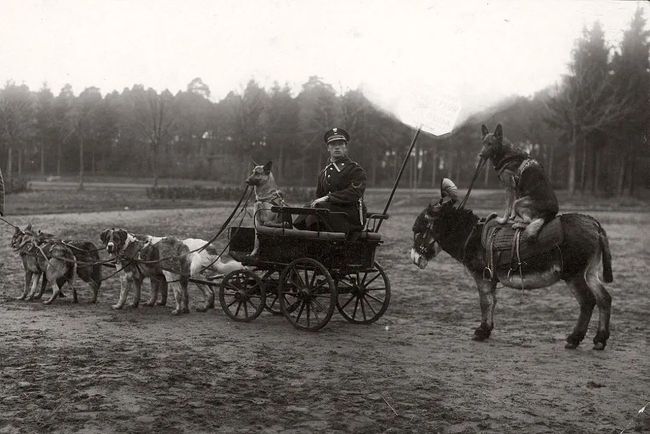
point(307, 294)
point(363, 296)
point(242, 295)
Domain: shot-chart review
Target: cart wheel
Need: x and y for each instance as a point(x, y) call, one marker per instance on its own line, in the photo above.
point(363, 296)
point(242, 295)
point(307, 294)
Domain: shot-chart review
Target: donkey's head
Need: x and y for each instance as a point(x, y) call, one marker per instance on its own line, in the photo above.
point(432, 223)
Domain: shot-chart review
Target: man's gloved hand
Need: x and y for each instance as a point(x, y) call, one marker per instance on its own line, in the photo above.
point(319, 200)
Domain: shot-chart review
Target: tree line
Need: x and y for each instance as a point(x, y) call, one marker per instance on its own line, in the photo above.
point(589, 131)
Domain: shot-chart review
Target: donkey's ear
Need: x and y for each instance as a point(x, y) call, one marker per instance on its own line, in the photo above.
point(448, 189)
point(498, 132)
point(484, 130)
point(267, 167)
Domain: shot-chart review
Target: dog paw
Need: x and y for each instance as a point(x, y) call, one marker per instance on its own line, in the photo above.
point(501, 220)
point(116, 307)
point(161, 303)
point(47, 301)
point(201, 309)
point(175, 312)
point(186, 310)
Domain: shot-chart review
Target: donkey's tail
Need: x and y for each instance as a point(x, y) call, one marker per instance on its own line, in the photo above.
point(607, 256)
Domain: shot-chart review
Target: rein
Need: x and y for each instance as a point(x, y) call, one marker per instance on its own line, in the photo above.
point(479, 166)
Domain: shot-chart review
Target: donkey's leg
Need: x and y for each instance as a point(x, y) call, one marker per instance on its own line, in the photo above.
point(488, 300)
point(603, 301)
point(587, 301)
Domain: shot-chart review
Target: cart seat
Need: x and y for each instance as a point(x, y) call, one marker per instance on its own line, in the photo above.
point(369, 235)
point(297, 233)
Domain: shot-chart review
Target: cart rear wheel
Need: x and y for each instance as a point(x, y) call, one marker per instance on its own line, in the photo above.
point(307, 294)
point(242, 295)
point(363, 296)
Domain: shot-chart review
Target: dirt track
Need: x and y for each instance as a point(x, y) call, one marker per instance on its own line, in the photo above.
point(69, 368)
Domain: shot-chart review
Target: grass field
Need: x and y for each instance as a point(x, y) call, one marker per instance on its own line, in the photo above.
point(87, 368)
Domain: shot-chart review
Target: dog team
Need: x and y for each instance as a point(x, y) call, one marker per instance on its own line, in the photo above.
point(166, 261)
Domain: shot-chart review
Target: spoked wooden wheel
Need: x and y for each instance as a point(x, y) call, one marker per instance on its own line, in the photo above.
point(242, 295)
point(307, 294)
point(363, 296)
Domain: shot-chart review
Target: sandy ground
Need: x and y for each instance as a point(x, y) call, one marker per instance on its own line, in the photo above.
point(87, 368)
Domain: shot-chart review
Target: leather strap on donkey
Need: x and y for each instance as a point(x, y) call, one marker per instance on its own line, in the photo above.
point(505, 247)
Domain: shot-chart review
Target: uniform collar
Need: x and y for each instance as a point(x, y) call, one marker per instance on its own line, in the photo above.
point(338, 165)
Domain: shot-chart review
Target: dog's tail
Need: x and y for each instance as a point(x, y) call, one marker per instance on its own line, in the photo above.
point(607, 256)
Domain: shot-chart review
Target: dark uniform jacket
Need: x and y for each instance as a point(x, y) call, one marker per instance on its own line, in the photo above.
point(2, 195)
point(344, 182)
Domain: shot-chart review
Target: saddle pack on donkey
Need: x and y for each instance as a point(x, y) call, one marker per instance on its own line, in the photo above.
point(505, 247)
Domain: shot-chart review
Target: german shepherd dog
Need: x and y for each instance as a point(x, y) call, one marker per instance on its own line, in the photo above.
point(45, 258)
point(530, 200)
point(163, 260)
point(86, 255)
point(267, 195)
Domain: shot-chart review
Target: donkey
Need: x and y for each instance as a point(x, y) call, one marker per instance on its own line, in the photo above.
point(444, 226)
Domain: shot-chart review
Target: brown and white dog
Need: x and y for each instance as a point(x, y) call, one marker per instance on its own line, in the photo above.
point(207, 259)
point(267, 195)
point(530, 200)
point(128, 251)
point(44, 258)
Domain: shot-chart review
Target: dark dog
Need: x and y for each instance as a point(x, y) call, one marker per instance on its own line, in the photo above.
point(530, 200)
point(88, 267)
point(46, 258)
point(267, 195)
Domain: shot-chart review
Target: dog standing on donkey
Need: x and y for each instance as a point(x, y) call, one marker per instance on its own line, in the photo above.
point(577, 249)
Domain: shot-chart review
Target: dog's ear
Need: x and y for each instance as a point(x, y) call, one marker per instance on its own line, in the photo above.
point(104, 236)
point(267, 167)
point(484, 130)
point(498, 132)
point(28, 228)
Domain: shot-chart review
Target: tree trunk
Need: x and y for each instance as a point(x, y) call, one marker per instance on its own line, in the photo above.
point(596, 171)
point(434, 165)
point(281, 164)
point(20, 161)
point(583, 166)
point(42, 159)
point(631, 171)
point(621, 175)
point(58, 159)
point(10, 159)
point(550, 163)
point(487, 175)
point(81, 163)
point(93, 167)
point(572, 166)
point(373, 163)
point(154, 164)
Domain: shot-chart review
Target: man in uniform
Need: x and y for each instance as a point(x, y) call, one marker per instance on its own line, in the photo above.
point(341, 185)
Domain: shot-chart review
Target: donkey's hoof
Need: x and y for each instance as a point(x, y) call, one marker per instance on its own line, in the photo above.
point(599, 346)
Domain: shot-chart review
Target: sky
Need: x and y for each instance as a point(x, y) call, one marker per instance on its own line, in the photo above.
point(421, 59)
